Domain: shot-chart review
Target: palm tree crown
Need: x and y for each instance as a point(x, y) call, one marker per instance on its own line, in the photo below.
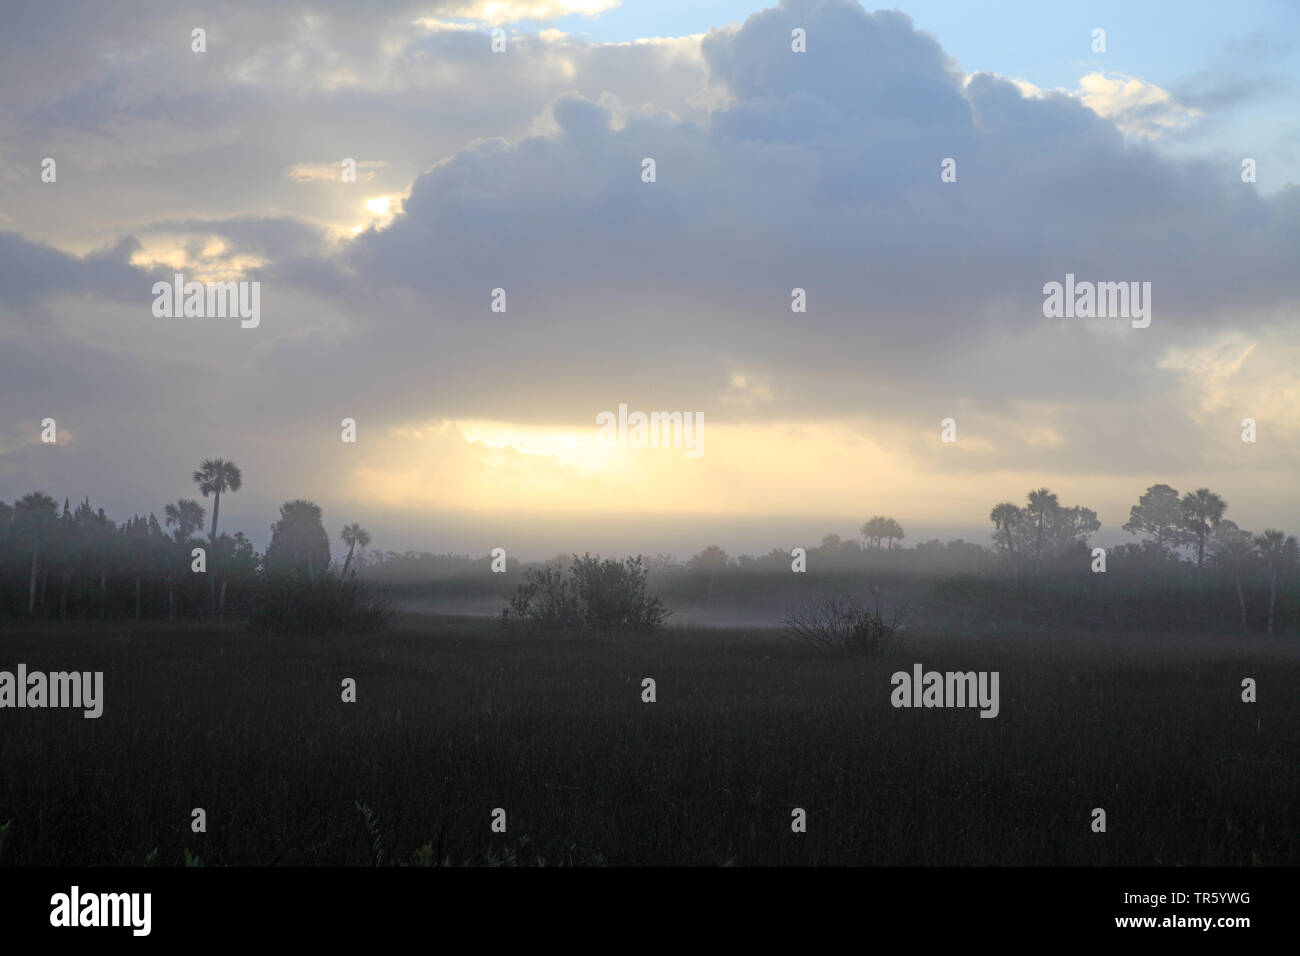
point(1202, 510)
point(353, 536)
point(186, 515)
point(214, 476)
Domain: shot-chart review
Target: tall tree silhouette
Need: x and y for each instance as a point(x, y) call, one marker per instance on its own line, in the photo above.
point(353, 535)
point(1202, 510)
point(1041, 505)
point(138, 544)
point(298, 539)
point(216, 475)
point(187, 516)
point(874, 530)
point(1234, 550)
point(1006, 518)
point(35, 515)
point(1159, 516)
point(1280, 552)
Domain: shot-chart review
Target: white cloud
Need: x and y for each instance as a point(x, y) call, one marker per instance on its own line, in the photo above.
point(509, 11)
point(1136, 107)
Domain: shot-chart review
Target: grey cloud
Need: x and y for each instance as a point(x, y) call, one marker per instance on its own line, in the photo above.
point(823, 173)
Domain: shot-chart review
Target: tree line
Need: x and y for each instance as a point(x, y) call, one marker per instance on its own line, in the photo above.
point(75, 562)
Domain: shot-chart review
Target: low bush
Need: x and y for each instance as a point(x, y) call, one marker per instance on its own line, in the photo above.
point(590, 594)
point(293, 602)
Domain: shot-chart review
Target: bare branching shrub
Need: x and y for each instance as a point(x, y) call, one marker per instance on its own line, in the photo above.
point(840, 622)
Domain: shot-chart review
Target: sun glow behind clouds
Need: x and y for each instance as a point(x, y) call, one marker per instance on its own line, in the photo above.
point(573, 448)
point(748, 469)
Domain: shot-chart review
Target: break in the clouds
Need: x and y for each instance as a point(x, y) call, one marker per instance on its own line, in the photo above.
point(523, 171)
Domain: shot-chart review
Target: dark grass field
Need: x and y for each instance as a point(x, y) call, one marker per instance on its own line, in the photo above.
point(454, 718)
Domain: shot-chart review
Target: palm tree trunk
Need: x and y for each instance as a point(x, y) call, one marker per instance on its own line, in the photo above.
point(216, 506)
point(1241, 601)
point(31, 587)
point(1272, 597)
point(1038, 551)
point(349, 560)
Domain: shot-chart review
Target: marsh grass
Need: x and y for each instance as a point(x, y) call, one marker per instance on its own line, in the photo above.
point(456, 717)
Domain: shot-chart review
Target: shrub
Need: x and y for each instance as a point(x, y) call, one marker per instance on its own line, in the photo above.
point(844, 623)
point(546, 599)
point(595, 595)
point(292, 602)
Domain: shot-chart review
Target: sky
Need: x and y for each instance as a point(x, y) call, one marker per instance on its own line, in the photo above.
point(774, 170)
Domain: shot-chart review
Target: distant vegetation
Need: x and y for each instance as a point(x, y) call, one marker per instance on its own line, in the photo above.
point(76, 563)
point(1191, 568)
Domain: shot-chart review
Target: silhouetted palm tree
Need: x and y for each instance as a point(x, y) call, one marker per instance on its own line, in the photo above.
point(1005, 517)
point(353, 535)
point(214, 476)
point(1281, 552)
point(1202, 510)
point(187, 515)
point(1041, 503)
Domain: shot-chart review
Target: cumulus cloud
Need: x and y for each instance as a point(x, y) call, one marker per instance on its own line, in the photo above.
point(506, 11)
point(774, 171)
point(1136, 107)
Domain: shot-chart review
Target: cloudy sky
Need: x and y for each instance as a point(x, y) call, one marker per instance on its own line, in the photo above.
point(522, 170)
